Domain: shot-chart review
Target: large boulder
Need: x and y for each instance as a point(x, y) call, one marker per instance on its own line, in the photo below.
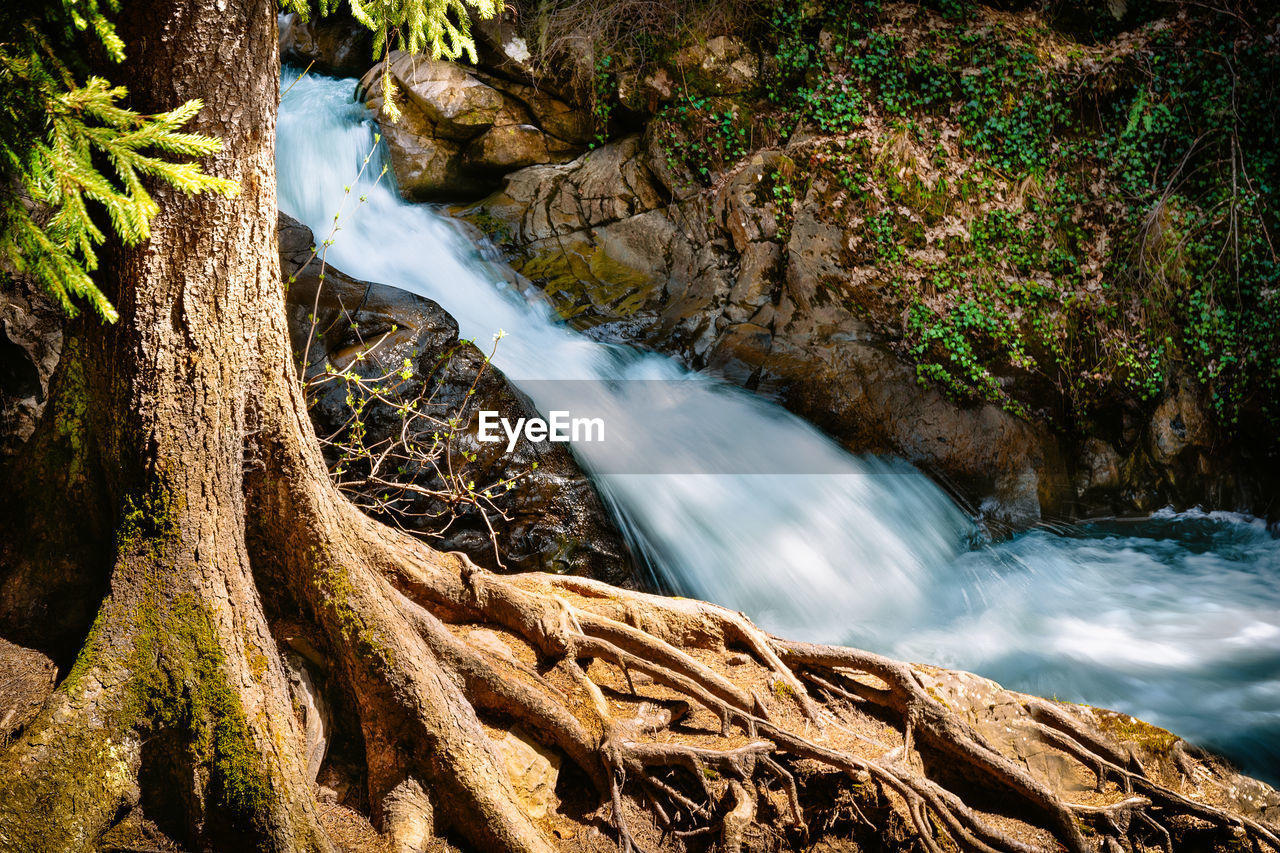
point(569, 124)
point(555, 521)
point(460, 131)
point(456, 105)
point(510, 146)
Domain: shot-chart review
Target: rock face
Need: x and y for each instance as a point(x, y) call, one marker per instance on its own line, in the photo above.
point(556, 520)
point(336, 44)
point(461, 130)
point(771, 299)
point(722, 65)
point(708, 278)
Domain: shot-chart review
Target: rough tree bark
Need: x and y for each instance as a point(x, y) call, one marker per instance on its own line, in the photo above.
point(176, 483)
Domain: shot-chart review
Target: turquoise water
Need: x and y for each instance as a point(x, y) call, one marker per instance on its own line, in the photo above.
point(1175, 618)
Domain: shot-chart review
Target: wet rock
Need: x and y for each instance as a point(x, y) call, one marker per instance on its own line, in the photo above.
point(1100, 466)
point(334, 44)
point(441, 107)
point(30, 344)
point(1180, 424)
point(556, 519)
point(426, 167)
point(425, 154)
point(740, 351)
point(596, 239)
point(460, 131)
point(1189, 461)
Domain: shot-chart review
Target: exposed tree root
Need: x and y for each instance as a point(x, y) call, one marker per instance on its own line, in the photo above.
point(690, 713)
point(690, 726)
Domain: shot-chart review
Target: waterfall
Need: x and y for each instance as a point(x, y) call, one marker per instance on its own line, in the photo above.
point(730, 498)
point(807, 553)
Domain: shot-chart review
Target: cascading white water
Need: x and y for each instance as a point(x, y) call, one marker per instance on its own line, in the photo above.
point(1180, 625)
point(760, 546)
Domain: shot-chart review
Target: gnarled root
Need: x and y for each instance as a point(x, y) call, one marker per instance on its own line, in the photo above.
point(685, 724)
point(690, 721)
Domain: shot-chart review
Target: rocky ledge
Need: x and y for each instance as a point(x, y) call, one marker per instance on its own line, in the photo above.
point(461, 129)
point(554, 519)
point(621, 250)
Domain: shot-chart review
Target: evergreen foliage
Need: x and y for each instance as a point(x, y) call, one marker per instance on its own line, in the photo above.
point(64, 144)
point(69, 148)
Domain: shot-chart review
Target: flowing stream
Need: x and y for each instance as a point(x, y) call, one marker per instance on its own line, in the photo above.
point(727, 497)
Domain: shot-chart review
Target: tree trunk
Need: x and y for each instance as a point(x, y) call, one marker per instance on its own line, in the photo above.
point(179, 676)
point(177, 483)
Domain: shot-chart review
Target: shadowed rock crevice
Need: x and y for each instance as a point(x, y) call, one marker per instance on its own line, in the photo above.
point(556, 522)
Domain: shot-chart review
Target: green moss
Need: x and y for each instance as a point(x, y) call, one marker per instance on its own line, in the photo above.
point(150, 522)
point(1145, 736)
point(85, 773)
point(69, 407)
point(180, 684)
point(336, 593)
point(582, 277)
point(495, 229)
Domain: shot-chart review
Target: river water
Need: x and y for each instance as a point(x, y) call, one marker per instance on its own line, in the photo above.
point(727, 497)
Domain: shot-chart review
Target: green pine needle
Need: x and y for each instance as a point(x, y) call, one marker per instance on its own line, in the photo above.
point(69, 149)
